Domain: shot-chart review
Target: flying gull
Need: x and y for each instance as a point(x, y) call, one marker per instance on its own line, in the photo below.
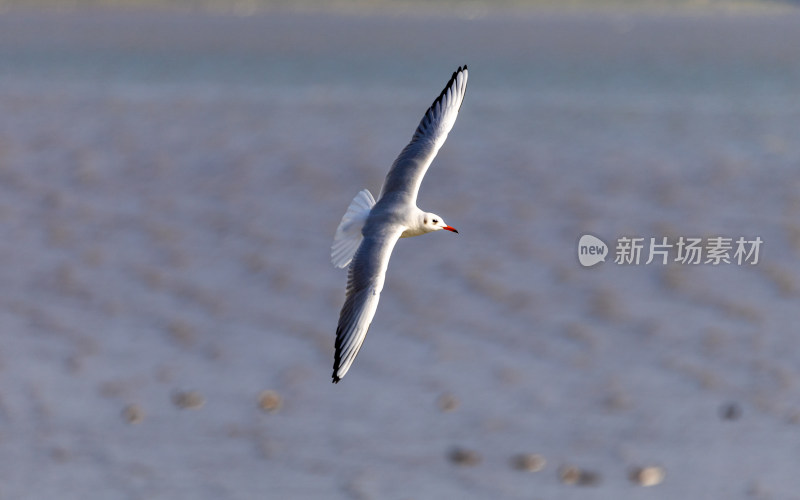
point(369, 230)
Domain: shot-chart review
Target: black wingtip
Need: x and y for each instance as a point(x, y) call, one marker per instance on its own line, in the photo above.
point(337, 360)
point(449, 83)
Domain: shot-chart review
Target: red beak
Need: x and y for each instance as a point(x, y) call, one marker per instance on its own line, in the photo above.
point(450, 228)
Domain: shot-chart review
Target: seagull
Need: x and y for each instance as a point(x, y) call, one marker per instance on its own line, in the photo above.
point(369, 230)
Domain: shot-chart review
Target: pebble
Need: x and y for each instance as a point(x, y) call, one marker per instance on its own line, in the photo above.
point(647, 476)
point(462, 456)
point(133, 414)
point(730, 411)
point(448, 402)
point(530, 462)
point(188, 400)
point(269, 401)
point(570, 474)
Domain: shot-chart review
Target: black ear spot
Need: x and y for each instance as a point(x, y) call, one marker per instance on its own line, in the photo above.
point(425, 221)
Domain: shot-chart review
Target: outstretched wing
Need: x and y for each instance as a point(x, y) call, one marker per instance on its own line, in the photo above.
point(365, 278)
point(403, 180)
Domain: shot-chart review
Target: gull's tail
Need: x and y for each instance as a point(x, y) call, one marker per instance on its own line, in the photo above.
point(348, 234)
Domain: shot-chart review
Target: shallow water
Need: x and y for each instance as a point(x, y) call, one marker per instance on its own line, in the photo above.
point(171, 183)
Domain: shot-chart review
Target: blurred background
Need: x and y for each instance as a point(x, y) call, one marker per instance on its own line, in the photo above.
point(172, 174)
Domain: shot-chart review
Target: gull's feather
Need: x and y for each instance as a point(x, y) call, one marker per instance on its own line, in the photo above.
point(404, 178)
point(348, 234)
point(365, 278)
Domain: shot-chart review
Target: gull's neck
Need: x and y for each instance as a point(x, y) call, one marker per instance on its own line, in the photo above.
point(415, 223)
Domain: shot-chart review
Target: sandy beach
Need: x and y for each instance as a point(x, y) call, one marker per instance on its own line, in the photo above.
point(170, 184)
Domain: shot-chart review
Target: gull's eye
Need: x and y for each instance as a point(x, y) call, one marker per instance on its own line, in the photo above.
point(435, 221)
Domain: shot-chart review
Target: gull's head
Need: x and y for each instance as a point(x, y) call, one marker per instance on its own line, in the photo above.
point(433, 222)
